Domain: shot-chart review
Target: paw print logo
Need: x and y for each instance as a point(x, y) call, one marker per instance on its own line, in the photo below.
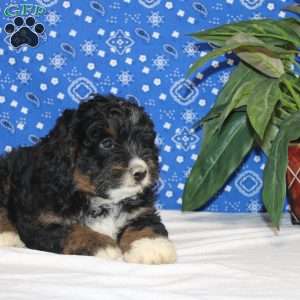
point(24, 32)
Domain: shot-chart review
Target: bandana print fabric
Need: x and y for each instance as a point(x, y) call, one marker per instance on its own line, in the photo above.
point(54, 54)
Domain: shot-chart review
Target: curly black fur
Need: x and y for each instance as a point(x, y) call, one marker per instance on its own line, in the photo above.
point(49, 188)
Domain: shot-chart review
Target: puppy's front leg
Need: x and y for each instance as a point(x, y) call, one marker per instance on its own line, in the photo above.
point(84, 241)
point(145, 241)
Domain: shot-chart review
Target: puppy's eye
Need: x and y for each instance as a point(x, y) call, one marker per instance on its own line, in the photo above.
point(107, 144)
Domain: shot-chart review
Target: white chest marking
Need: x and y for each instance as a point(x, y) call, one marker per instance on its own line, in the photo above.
point(111, 223)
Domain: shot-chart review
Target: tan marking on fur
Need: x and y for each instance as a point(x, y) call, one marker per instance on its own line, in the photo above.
point(5, 224)
point(85, 241)
point(49, 218)
point(83, 182)
point(110, 131)
point(130, 235)
point(118, 168)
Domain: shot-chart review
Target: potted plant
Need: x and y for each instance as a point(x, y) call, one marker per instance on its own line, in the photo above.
point(258, 107)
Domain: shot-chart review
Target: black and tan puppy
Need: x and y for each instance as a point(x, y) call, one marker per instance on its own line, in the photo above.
point(87, 187)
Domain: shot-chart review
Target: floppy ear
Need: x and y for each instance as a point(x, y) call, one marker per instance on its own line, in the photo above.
point(63, 126)
point(93, 133)
point(60, 144)
point(91, 120)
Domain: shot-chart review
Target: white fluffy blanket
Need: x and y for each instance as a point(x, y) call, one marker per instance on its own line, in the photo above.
point(220, 256)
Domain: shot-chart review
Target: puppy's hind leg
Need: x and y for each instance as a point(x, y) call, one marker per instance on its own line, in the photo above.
point(9, 236)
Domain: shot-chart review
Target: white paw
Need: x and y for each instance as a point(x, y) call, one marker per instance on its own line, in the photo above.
point(10, 239)
point(109, 252)
point(151, 251)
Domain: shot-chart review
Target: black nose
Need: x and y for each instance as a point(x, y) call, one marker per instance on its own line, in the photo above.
point(139, 175)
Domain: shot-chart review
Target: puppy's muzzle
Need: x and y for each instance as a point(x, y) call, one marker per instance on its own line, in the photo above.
point(139, 174)
point(138, 170)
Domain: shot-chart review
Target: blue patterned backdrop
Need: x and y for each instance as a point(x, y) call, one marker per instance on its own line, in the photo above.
point(138, 49)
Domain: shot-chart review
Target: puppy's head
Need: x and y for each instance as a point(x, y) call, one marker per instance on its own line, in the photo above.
point(115, 156)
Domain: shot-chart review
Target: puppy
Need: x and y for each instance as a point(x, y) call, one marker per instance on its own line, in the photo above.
point(87, 188)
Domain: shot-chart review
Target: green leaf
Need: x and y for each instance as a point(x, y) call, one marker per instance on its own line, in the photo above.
point(216, 161)
point(239, 98)
point(214, 113)
point(260, 108)
point(243, 38)
point(242, 93)
point(240, 74)
point(279, 116)
point(202, 60)
point(270, 66)
point(240, 43)
point(271, 133)
point(290, 86)
point(213, 54)
point(243, 41)
point(238, 77)
point(274, 32)
point(209, 131)
point(291, 29)
point(295, 8)
point(274, 190)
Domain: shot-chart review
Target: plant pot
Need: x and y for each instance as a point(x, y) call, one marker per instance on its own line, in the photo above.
point(293, 182)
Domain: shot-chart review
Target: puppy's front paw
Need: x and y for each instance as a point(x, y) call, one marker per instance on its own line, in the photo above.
point(109, 252)
point(151, 251)
point(10, 239)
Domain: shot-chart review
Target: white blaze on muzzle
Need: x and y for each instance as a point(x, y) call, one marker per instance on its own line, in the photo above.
point(133, 182)
point(138, 169)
